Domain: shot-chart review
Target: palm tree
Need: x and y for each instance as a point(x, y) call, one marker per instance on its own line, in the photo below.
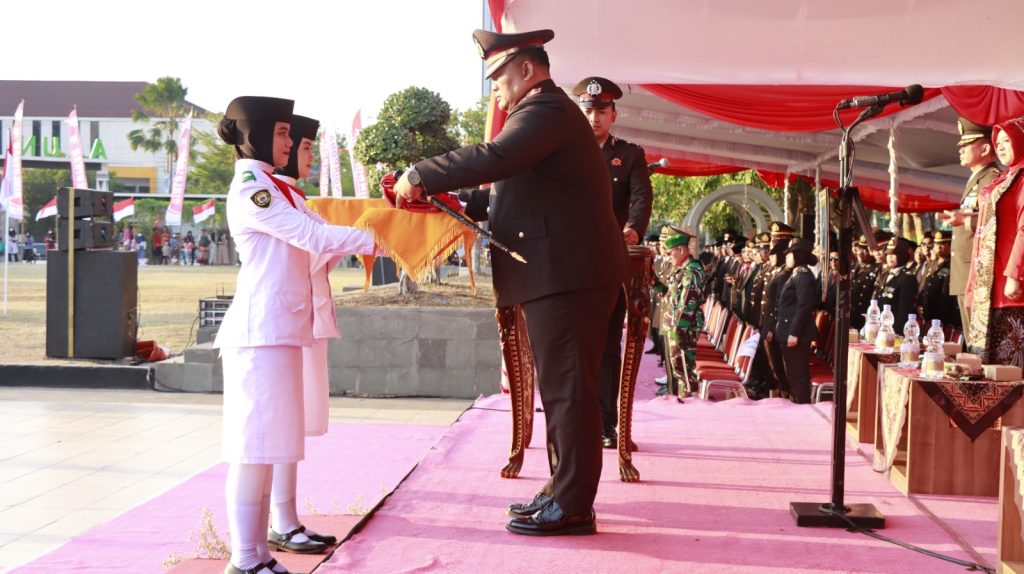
point(162, 104)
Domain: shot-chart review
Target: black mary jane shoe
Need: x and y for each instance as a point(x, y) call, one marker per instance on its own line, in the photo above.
point(552, 521)
point(284, 542)
point(271, 566)
point(523, 510)
point(327, 539)
point(257, 569)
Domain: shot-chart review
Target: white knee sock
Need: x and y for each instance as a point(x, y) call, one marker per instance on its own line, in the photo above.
point(244, 493)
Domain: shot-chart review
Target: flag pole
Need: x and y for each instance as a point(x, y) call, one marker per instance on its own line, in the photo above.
point(7, 248)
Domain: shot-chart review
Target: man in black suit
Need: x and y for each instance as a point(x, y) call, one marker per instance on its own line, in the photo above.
point(552, 203)
point(631, 200)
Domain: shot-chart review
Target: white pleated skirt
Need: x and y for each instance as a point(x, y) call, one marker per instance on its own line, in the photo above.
point(316, 388)
point(263, 411)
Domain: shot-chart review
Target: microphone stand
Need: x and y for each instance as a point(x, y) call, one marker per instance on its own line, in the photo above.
point(836, 513)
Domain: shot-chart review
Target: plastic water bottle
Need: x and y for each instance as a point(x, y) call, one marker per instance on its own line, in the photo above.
point(886, 338)
point(910, 350)
point(872, 324)
point(934, 357)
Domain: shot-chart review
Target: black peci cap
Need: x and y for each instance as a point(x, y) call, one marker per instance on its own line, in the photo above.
point(250, 108)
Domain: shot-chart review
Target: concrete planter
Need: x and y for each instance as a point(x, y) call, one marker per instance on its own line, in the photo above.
point(415, 351)
point(383, 351)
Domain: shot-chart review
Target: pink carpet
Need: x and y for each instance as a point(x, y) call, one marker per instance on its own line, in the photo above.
point(717, 480)
point(354, 464)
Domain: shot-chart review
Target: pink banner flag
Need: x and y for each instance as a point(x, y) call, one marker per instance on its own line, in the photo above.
point(173, 216)
point(48, 210)
point(78, 178)
point(325, 162)
point(336, 189)
point(124, 208)
point(203, 211)
point(358, 171)
point(10, 190)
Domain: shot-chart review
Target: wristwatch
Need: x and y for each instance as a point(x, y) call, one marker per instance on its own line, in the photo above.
point(414, 177)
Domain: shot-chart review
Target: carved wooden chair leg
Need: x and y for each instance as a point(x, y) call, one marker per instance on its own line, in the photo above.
point(638, 311)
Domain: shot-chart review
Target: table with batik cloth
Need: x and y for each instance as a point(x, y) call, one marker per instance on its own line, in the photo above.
point(416, 241)
point(1010, 551)
point(862, 376)
point(939, 436)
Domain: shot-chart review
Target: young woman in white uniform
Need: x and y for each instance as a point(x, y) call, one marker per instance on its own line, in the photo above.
point(287, 533)
point(269, 321)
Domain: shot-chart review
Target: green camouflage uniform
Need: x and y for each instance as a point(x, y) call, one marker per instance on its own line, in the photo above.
point(688, 320)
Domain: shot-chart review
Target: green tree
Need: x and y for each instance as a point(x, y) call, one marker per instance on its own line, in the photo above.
point(163, 104)
point(212, 164)
point(674, 196)
point(412, 125)
point(467, 126)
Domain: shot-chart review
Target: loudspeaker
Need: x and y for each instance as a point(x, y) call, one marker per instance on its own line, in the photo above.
point(385, 271)
point(89, 234)
point(88, 203)
point(106, 304)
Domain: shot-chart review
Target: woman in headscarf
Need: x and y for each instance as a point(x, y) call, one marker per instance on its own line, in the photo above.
point(995, 288)
point(796, 330)
point(269, 322)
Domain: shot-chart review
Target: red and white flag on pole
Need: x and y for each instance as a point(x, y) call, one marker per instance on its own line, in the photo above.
point(48, 210)
point(124, 208)
point(10, 189)
point(173, 215)
point(78, 178)
point(358, 171)
point(332, 143)
point(325, 162)
point(203, 211)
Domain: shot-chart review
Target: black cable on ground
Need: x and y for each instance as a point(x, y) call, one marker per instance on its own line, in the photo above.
point(853, 527)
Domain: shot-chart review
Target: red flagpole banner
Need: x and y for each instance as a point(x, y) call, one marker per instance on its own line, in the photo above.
point(10, 189)
point(78, 178)
point(173, 216)
point(358, 171)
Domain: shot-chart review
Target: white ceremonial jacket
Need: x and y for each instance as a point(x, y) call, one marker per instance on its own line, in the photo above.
point(275, 241)
point(325, 323)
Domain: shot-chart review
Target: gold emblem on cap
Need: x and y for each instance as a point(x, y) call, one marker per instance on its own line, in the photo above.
point(775, 227)
point(960, 126)
point(594, 89)
point(479, 47)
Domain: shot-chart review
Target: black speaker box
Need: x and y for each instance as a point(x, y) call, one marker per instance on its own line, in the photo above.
point(89, 234)
point(88, 203)
point(106, 304)
point(384, 271)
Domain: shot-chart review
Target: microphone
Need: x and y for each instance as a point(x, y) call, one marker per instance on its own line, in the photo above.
point(906, 97)
point(663, 162)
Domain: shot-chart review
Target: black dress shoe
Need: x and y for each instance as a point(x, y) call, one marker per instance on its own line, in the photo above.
point(610, 439)
point(652, 351)
point(232, 569)
point(273, 564)
point(284, 542)
point(324, 538)
point(551, 521)
point(529, 508)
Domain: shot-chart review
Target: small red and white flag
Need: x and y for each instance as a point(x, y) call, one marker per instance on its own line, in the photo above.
point(203, 211)
point(124, 208)
point(48, 210)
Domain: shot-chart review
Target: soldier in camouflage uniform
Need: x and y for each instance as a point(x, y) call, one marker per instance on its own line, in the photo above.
point(688, 312)
point(666, 287)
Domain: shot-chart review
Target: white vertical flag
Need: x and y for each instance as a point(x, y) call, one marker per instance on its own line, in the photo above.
point(325, 162)
point(173, 215)
point(358, 171)
point(335, 164)
point(78, 178)
point(10, 191)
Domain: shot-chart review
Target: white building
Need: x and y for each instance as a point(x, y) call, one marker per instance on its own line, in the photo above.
point(104, 120)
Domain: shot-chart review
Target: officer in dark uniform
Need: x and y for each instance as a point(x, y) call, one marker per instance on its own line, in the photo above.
point(631, 200)
point(745, 280)
point(862, 282)
point(899, 286)
point(551, 201)
point(934, 300)
point(923, 258)
point(782, 232)
point(752, 311)
point(769, 315)
point(761, 377)
point(796, 331)
point(978, 155)
point(882, 238)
